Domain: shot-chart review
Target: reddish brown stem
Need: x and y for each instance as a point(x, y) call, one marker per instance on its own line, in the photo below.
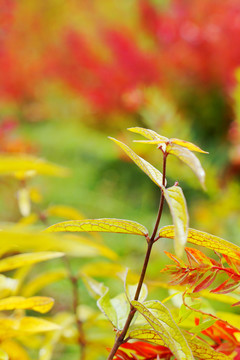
point(120, 337)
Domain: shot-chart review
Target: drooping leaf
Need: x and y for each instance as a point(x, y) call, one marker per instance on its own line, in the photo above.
point(204, 239)
point(101, 269)
point(115, 309)
point(16, 261)
point(100, 225)
point(199, 348)
point(161, 320)
point(26, 164)
point(178, 208)
point(130, 289)
point(145, 166)
point(41, 304)
point(188, 158)
point(188, 145)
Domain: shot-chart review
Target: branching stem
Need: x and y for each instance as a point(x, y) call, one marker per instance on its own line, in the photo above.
point(120, 338)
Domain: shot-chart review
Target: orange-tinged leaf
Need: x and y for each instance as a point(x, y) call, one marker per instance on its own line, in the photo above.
point(190, 146)
point(199, 348)
point(177, 260)
point(198, 256)
point(178, 208)
point(204, 239)
point(41, 304)
point(101, 225)
point(205, 283)
point(16, 261)
point(149, 134)
point(188, 158)
point(26, 164)
point(154, 174)
point(161, 320)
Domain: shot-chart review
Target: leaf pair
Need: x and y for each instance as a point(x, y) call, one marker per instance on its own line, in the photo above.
point(164, 331)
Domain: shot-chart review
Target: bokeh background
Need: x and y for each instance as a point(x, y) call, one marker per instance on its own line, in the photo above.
point(74, 72)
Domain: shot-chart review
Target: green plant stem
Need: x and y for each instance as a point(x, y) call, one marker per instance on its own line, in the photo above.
point(120, 337)
point(75, 302)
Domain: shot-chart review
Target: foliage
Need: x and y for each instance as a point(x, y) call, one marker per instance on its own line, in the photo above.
point(145, 329)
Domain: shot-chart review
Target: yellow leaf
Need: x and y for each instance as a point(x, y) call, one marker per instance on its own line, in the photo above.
point(101, 269)
point(190, 146)
point(14, 327)
point(41, 280)
point(161, 320)
point(101, 225)
point(67, 212)
point(145, 166)
point(207, 240)
point(16, 261)
point(188, 158)
point(24, 202)
point(149, 134)
point(38, 303)
point(199, 348)
point(26, 164)
point(70, 244)
point(178, 208)
point(14, 350)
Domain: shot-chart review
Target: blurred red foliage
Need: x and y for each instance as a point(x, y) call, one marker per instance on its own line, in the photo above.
point(113, 84)
point(197, 40)
point(142, 350)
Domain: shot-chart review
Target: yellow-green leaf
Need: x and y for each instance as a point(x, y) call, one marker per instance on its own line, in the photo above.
point(16, 261)
point(26, 164)
point(199, 348)
point(188, 158)
point(130, 289)
point(207, 240)
point(149, 134)
point(100, 225)
point(11, 327)
point(41, 304)
point(41, 280)
point(67, 212)
point(69, 243)
point(154, 174)
point(190, 146)
point(178, 208)
point(161, 320)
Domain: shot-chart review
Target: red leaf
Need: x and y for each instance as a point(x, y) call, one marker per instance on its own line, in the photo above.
point(206, 282)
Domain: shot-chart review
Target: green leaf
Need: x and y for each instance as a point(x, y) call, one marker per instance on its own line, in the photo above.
point(178, 208)
point(145, 166)
point(25, 165)
point(161, 320)
point(203, 326)
point(199, 348)
point(16, 261)
point(100, 225)
point(188, 158)
point(38, 303)
point(115, 309)
point(204, 239)
point(130, 289)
